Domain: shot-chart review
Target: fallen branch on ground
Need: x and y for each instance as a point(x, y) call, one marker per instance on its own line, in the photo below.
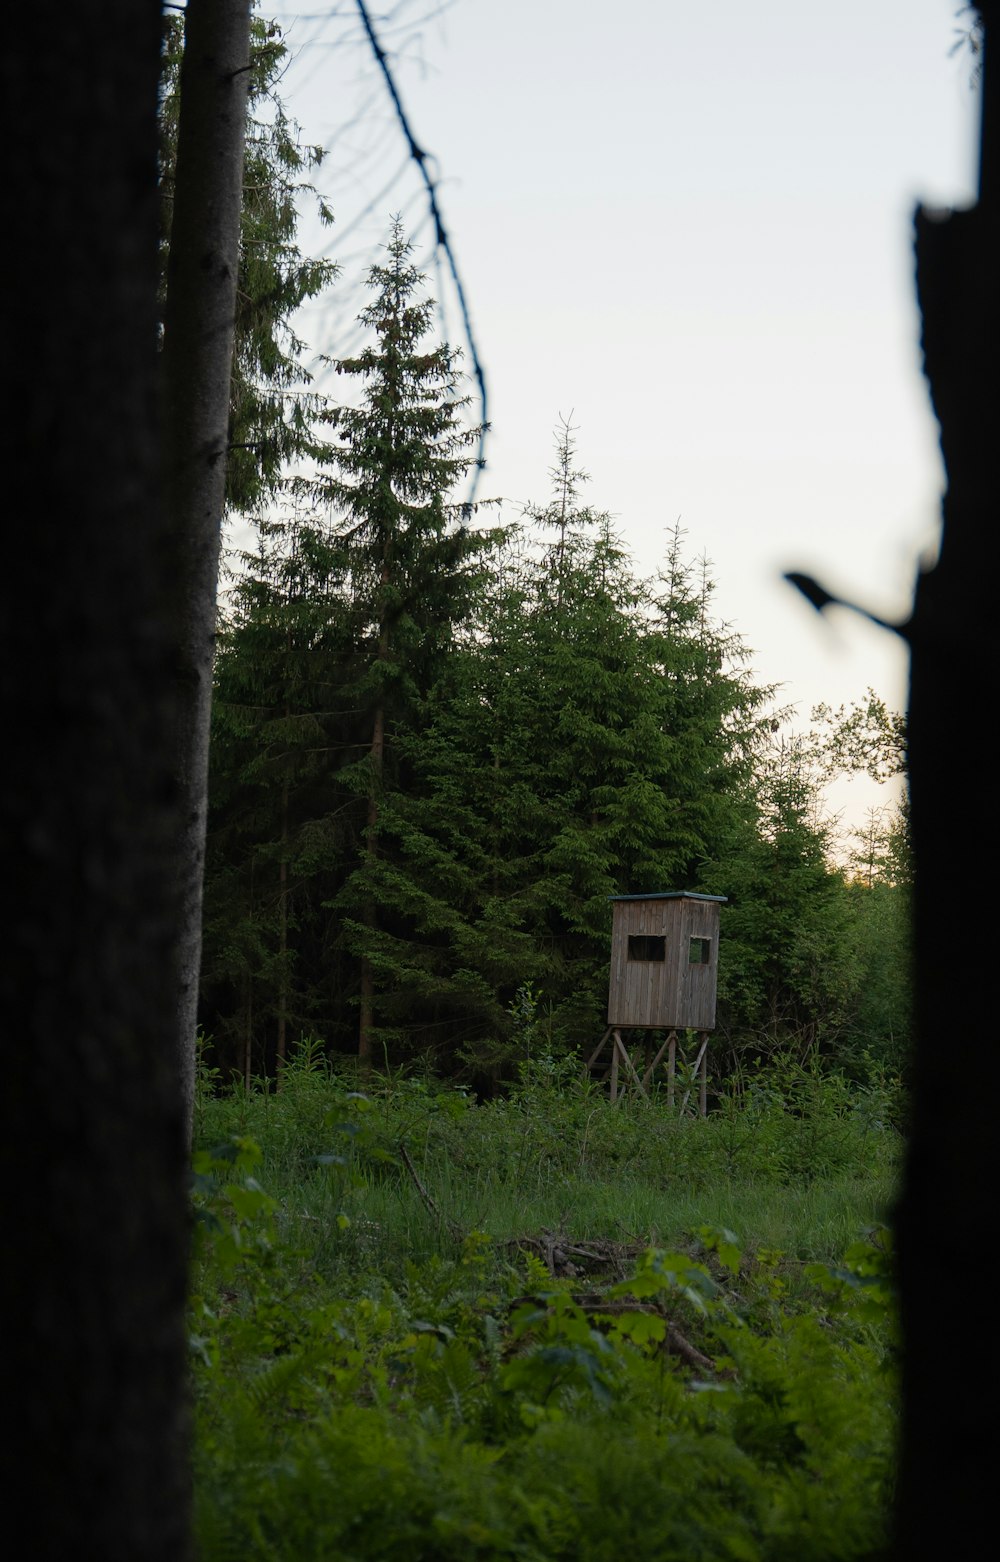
point(454, 1230)
point(594, 1304)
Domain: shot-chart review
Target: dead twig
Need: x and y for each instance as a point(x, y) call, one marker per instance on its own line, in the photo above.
point(456, 1232)
point(675, 1343)
point(558, 1253)
point(687, 1352)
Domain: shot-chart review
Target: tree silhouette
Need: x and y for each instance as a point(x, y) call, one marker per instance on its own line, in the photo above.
point(947, 1208)
point(93, 1131)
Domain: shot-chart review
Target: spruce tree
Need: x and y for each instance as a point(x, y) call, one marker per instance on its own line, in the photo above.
point(653, 715)
point(438, 754)
point(788, 975)
point(274, 825)
point(394, 461)
point(273, 413)
point(563, 516)
point(586, 739)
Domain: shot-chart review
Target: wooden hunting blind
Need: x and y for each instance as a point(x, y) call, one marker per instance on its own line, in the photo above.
point(664, 971)
point(664, 961)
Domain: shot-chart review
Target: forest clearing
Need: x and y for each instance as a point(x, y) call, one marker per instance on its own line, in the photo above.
point(544, 1326)
point(470, 1306)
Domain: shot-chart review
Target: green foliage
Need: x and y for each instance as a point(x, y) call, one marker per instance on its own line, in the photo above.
point(438, 753)
point(866, 737)
point(710, 1403)
point(335, 631)
point(392, 464)
point(277, 830)
point(272, 414)
point(583, 741)
point(786, 926)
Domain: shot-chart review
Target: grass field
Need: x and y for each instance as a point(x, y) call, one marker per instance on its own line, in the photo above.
point(543, 1326)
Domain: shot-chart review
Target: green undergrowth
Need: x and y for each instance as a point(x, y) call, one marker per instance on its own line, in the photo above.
point(426, 1328)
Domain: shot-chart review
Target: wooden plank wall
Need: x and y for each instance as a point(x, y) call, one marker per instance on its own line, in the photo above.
point(697, 985)
point(669, 994)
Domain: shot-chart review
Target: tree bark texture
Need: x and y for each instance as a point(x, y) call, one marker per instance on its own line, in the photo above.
point(202, 272)
point(366, 1025)
point(946, 1218)
point(92, 1133)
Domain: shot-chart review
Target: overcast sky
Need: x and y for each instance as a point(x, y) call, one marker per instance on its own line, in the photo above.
point(689, 223)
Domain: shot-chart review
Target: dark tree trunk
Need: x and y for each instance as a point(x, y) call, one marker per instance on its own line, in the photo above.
point(283, 974)
point(366, 1025)
point(946, 1219)
point(202, 273)
point(93, 1135)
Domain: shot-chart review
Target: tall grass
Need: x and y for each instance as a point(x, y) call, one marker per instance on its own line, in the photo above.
point(389, 1360)
point(802, 1162)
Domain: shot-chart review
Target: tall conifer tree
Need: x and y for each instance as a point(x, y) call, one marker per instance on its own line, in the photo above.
point(275, 835)
point(396, 458)
point(272, 413)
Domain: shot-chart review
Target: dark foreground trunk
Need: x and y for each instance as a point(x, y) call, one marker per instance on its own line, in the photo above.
point(95, 1231)
point(947, 1217)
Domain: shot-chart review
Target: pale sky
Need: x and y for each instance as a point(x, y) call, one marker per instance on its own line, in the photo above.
point(689, 223)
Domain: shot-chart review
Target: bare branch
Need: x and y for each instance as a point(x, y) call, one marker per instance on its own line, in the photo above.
point(441, 239)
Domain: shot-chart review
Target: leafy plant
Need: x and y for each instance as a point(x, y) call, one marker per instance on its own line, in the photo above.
point(697, 1400)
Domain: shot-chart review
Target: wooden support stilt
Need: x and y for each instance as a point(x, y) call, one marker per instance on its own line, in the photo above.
point(596, 1053)
point(622, 1070)
point(698, 1066)
point(629, 1066)
point(667, 1041)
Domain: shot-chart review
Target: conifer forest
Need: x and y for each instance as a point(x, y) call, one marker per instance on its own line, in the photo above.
point(443, 737)
point(369, 1251)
